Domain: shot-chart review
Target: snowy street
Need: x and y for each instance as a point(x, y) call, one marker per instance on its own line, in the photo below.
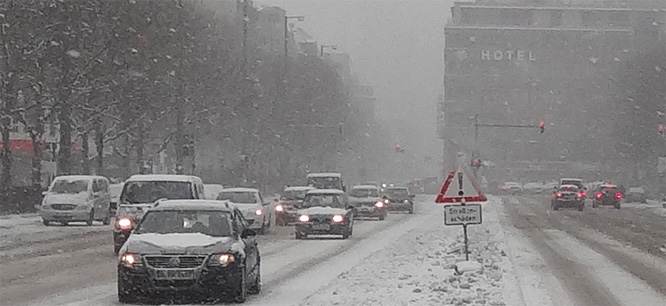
point(529, 256)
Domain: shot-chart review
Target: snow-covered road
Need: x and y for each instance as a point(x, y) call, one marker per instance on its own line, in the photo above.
point(527, 257)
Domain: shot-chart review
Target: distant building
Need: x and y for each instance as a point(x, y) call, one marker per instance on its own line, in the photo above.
point(521, 61)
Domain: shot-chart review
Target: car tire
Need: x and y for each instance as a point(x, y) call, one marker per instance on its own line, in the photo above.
point(382, 217)
point(595, 204)
point(239, 290)
point(46, 222)
point(345, 234)
point(581, 207)
point(255, 288)
point(116, 248)
point(555, 207)
point(64, 223)
point(107, 219)
point(299, 236)
point(89, 222)
point(617, 205)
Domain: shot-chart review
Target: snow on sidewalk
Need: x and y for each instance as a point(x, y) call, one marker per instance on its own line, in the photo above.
point(419, 269)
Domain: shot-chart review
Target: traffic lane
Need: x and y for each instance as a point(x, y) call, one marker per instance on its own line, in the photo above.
point(583, 288)
point(66, 272)
point(636, 225)
point(608, 238)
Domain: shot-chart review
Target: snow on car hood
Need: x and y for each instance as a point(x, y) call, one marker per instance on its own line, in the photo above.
point(66, 198)
point(179, 243)
point(372, 200)
point(322, 211)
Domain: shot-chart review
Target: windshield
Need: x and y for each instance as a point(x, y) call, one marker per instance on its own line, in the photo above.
point(212, 223)
point(323, 200)
point(293, 195)
point(396, 193)
point(69, 187)
point(138, 192)
point(328, 182)
point(240, 197)
point(572, 182)
point(568, 188)
point(364, 193)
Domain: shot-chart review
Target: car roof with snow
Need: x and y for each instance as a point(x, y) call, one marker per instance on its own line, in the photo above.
point(512, 183)
point(396, 188)
point(364, 187)
point(164, 178)
point(193, 205)
point(78, 177)
point(326, 191)
point(568, 186)
point(325, 174)
point(571, 179)
point(239, 189)
point(298, 188)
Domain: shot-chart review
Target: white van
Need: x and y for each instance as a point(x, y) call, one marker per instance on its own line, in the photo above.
point(77, 198)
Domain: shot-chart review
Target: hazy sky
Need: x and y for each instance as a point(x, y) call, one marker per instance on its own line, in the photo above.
point(396, 46)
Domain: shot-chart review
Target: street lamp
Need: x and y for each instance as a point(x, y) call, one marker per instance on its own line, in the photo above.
point(322, 47)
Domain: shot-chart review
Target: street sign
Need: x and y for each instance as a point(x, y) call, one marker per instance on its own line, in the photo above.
point(462, 214)
point(460, 187)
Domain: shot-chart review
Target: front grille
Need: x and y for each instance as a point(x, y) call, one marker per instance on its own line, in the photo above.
point(321, 218)
point(63, 206)
point(175, 283)
point(175, 261)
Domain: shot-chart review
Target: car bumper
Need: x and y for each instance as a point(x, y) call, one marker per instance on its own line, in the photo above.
point(64, 215)
point(399, 206)
point(369, 212)
point(206, 280)
point(288, 217)
point(314, 228)
point(570, 203)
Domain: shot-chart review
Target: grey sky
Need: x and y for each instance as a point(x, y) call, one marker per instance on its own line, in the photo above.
point(396, 46)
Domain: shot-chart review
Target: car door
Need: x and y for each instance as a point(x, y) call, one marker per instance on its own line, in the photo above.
point(251, 251)
point(105, 196)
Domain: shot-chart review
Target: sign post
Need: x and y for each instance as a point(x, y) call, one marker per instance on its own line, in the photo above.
point(461, 214)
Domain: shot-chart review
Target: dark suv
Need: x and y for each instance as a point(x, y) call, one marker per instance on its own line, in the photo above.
point(607, 195)
point(568, 196)
point(190, 246)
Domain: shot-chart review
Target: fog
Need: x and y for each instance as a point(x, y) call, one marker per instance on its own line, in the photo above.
point(397, 48)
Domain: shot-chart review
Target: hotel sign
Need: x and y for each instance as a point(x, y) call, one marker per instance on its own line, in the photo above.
point(508, 55)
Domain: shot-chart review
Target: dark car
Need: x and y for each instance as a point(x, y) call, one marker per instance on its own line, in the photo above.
point(202, 247)
point(287, 207)
point(399, 199)
point(607, 195)
point(636, 194)
point(367, 202)
point(325, 212)
point(570, 196)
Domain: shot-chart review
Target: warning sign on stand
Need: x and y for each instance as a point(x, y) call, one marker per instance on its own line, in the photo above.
point(460, 187)
point(462, 214)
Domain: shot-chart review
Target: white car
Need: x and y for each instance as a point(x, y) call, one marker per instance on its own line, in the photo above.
point(252, 204)
point(77, 198)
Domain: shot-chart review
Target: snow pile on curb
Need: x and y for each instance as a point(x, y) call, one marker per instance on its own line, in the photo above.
point(419, 269)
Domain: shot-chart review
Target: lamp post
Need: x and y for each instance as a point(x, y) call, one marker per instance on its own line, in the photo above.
point(322, 47)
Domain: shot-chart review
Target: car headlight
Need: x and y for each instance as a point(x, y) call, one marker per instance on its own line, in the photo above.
point(406, 201)
point(131, 260)
point(222, 260)
point(124, 223)
point(379, 204)
point(259, 212)
point(338, 218)
point(279, 208)
point(82, 207)
point(304, 218)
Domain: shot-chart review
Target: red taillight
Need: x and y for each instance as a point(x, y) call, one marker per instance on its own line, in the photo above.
point(599, 195)
point(582, 194)
point(618, 196)
point(558, 195)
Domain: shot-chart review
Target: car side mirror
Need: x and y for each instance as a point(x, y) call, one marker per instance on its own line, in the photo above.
point(248, 233)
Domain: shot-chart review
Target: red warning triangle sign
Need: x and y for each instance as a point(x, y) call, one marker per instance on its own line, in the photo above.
point(460, 187)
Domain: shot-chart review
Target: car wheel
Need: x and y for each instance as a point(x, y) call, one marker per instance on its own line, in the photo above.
point(107, 219)
point(255, 288)
point(345, 234)
point(46, 222)
point(64, 223)
point(239, 290)
point(382, 217)
point(299, 235)
point(617, 205)
point(595, 204)
point(555, 207)
point(411, 210)
point(89, 222)
point(581, 207)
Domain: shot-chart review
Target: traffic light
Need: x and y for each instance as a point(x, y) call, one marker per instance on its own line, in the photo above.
point(398, 148)
point(661, 129)
point(542, 126)
point(476, 163)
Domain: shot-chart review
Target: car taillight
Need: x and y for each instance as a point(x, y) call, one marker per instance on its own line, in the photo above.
point(582, 194)
point(279, 208)
point(618, 196)
point(599, 195)
point(558, 195)
point(304, 218)
point(124, 224)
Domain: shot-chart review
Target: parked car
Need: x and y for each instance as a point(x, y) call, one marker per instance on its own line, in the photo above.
point(325, 212)
point(256, 210)
point(200, 246)
point(211, 191)
point(607, 195)
point(287, 207)
point(569, 196)
point(636, 194)
point(142, 191)
point(399, 199)
point(367, 203)
point(77, 198)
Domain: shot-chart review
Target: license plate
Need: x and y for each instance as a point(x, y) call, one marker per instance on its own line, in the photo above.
point(174, 274)
point(321, 227)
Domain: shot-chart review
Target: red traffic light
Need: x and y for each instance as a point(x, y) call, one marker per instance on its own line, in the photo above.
point(661, 129)
point(398, 148)
point(542, 126)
